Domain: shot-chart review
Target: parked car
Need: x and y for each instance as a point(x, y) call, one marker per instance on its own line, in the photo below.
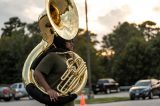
point(145, 88)
point(5, 92)
point(20, 91)
point(106, 85)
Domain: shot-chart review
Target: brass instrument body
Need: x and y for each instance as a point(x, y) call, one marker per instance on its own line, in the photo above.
point(72, 81)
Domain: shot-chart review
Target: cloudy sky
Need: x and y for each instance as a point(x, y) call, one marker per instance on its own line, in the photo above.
point(102, 14)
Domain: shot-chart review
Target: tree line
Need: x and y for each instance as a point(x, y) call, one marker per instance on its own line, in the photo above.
point(136, 51)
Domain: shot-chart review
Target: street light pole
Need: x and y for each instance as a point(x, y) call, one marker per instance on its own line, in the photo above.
point(88, 53)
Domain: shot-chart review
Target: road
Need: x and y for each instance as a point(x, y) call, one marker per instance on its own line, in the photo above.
point(153, 102)
point(148, 102)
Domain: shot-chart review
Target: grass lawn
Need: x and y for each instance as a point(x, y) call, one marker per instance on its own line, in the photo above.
point(103, 100)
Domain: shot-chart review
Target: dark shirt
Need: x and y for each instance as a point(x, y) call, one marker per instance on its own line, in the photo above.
point(52, 66)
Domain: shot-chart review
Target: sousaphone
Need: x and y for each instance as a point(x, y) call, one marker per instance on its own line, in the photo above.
point(60, 18)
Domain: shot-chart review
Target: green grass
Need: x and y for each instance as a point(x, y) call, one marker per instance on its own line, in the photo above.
point(103, 100)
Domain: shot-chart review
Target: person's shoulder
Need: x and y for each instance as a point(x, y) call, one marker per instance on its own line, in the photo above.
point(52, 54)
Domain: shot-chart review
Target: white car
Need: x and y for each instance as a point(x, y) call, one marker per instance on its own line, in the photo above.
point(20, 91)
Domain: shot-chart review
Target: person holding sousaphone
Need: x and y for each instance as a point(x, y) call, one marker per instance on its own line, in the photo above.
point(51, 68)
point(52, 73)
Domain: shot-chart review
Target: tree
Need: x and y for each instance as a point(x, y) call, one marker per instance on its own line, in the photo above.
point(120, 36)
point(14, 24)
point(117, 41)
point(136, 52)
point(149, 29)
point(153, 55)
point(12, 52)
point(33, 28)
point(14, 49)
point(131, 64)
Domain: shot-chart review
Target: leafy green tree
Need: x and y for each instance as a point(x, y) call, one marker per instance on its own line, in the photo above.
point(117, 41)
point(15, 45)
point(130, 65)
point(11, 51)
point(136, 52)
point(149, 29)
point(120, 36)
point(153, 55)
point(14, 24)
point(33, 28)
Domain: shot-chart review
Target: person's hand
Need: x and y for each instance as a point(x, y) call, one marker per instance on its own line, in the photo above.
point(53, 94)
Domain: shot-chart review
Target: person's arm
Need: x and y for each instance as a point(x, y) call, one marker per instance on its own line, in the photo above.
point(41, 80)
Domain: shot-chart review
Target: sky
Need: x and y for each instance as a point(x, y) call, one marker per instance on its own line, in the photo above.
point(103, 15)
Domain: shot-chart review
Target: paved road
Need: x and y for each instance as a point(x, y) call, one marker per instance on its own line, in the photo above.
point(152, 102)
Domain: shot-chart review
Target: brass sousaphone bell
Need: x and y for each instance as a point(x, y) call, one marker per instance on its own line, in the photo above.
point(60, 18)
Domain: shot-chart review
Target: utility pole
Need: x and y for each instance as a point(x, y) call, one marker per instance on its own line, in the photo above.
point(88, 54)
